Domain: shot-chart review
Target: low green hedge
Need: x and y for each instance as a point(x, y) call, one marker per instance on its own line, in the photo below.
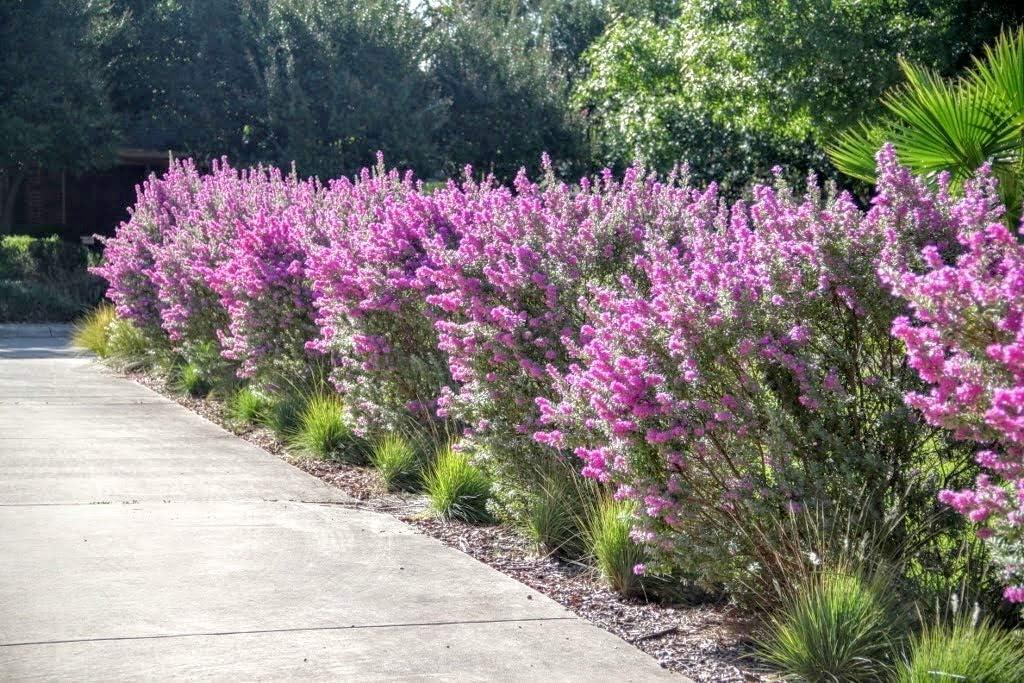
point(45, 279)
point(40, 258)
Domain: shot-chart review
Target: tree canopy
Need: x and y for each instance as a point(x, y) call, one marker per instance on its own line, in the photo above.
point(735, 87)
point(731, 87)
point(56, 110)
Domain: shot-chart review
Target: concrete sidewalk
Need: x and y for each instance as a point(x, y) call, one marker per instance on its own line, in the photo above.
point(139, 541)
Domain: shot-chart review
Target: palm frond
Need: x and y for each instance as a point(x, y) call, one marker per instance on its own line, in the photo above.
point(854, 150)
point(952, 125)
point(943, 125)
point(1001, 73)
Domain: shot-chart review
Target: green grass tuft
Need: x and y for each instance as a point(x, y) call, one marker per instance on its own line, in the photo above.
point(457, 489)
point(127, 347)
point(614, 552)
point(92, 331)
point(966, 650)
point(249, 405)
point(283, 414)
point(191, 380)
point(397, 462)
point(115, 340)
point(557, 512)
point(323, 431)
point(836, 627)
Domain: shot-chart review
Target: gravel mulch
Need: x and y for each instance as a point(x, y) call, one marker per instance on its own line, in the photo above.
point(704, 642)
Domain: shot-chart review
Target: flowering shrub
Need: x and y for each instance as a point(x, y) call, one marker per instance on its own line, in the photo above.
point(201, 240)
point(748, 369)
point(965, 338)
point(177, 269)
point(370, 305)
point(717, 366)
point(509, 292)
point(264, 288)
point(129, 258)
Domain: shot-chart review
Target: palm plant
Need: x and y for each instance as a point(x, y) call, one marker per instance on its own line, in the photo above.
point(951, 125)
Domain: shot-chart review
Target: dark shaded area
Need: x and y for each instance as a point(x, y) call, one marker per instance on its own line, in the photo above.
point(76, 205)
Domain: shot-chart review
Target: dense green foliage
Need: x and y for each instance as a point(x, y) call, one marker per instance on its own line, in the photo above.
point(735, 88)
point(55, 107)
point(732, 88)
point(45, 279)
point(33, 258)
point(505, 95)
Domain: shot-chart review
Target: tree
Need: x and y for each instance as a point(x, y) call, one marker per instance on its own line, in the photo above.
point(322, 84)
point(566, 27)
point(507, 96)
point(685, 92)
point(345, 80)
point(55, 113)
point(735, 87)
point(187, 74)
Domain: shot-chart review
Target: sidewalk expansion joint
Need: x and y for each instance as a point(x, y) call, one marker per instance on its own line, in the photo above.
point(353, 627)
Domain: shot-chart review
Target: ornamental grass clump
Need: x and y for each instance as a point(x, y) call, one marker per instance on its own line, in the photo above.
point(838, 626)
point(558, 509)
point(967, 649)
point(127, 347)
point(283, 414)
point(457, 488)
point(249, 405)
point(92, 332)
point(397, 462)
point(619, 559)
point(323, 431)
point(191, 380)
